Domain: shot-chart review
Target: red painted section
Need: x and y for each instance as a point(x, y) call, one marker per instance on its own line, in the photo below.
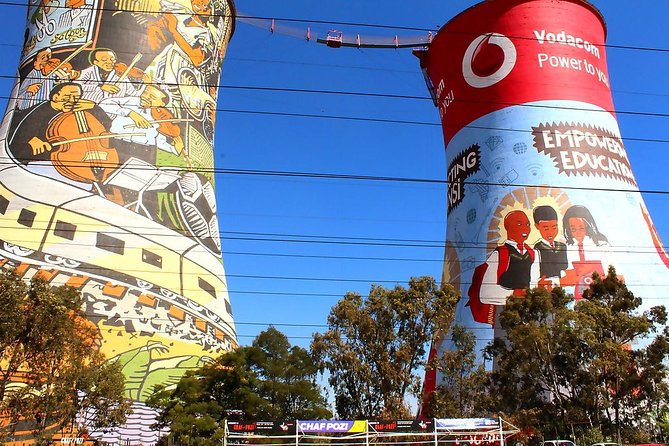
point(430, 383)
point(657, 242)
point(540, 50)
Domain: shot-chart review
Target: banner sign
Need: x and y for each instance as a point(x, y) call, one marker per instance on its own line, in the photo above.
point(285, 427)
point(402, 425)
point(331, 426)
point(466, 423)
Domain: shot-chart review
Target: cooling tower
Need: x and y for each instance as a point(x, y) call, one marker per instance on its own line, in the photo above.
point(540, 188)
point(107, 180)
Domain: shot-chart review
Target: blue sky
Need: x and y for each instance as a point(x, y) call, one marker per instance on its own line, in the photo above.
point(330, 236)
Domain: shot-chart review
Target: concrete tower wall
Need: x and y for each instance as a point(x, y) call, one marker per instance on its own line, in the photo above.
point(541, 191)
point(107, 184)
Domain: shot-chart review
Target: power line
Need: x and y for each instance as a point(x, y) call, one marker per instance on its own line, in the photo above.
point(387, 96)
point(370, 281)
point(348, 67)
point(403, 122)
point(297, 174)
point(156, 277)
point(376, 281)
point(312, 239)
point(380, 281)
point(333, 22)
point(168, 331)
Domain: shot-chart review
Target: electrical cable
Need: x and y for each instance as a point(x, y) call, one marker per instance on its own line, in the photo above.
point(352, 67)
point(329, 240)
point(297, 174)
point(374, 281)
point(387, 96)
point(332, 22)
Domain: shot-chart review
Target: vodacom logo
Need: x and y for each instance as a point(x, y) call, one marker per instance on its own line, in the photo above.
point(488, 59)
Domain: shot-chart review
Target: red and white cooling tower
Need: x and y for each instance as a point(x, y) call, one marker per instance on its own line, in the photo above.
point(540, 187)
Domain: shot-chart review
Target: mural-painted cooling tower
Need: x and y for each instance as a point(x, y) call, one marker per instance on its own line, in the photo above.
point(540, 187)
point(106, 182)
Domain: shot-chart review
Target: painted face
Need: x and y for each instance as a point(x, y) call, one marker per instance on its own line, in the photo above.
point(42, 58)
point(548, 229)
point(151, 97)
point(66, 98)
point(517, 226)
point(106, 60)
point(577, 228)
point(202, 8)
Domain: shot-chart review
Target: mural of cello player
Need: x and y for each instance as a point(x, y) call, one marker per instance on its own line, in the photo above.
point(72, 134)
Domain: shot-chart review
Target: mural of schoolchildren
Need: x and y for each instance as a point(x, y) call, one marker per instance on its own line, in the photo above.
point(106, 78)
point(511, 273)
point(551, 253)
point(588, 249)
point(509, 270)
point(147, 112)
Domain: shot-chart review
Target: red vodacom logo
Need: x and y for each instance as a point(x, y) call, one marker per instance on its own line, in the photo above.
point(488, 59)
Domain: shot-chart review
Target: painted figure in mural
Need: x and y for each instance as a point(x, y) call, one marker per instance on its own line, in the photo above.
point(36, 86)
point(149, 113)
point(187, 41)
point(72, 134)
point(509, 270)
point(76, 14)
point(193, 35)
point(514, 267)
point(551, 253)
point(106, 78)
point(588, 250)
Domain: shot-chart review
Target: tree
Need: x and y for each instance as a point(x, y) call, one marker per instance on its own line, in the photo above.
point(374, 346)
point(596, 365)
point(269, 380)
point(52, 371)
point(460, 392)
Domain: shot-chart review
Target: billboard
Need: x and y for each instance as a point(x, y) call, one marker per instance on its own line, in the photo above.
point(261, 427)
point(540, 187)
point(467, 423)
point(107, 181)
point(331, 426)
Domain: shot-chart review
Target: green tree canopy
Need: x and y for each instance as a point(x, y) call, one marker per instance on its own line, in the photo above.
point(375, 345)
point(269, 380)
point(570, 368)
point(460, 393)
point(52, 371)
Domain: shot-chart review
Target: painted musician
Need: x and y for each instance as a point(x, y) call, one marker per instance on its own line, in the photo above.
point(37, 84)
point(102, 80)
point(49, 135)
point(193, 37)
point(148, 113)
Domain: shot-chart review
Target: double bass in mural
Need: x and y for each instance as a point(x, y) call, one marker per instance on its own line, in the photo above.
point(540, 187)
point(108, 185)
